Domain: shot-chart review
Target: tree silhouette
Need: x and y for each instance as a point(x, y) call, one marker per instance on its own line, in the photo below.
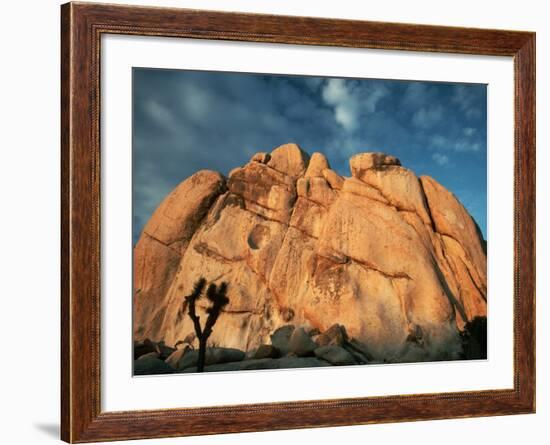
point(217, 296)
point(474, 338)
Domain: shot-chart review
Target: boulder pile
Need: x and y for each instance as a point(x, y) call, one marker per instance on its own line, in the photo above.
point(290, 347)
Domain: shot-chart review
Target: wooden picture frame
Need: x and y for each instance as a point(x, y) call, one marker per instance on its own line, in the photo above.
point(82, 25)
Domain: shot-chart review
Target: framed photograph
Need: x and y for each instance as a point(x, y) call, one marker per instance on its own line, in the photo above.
point(274, 222)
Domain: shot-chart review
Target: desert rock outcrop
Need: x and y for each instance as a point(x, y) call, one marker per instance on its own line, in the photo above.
point(394, 258)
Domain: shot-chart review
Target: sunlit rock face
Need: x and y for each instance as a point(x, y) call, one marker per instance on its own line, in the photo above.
point(394, 258)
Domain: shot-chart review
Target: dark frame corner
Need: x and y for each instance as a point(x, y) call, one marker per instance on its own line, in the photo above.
point(82, 25)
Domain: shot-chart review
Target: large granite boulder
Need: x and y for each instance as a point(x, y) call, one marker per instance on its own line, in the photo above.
point(213, 356)
point(151, 365)
point(395, 259)
point(301, 344)
point(335, 355)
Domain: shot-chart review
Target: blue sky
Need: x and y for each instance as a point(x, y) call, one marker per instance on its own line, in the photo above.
point(185, 121)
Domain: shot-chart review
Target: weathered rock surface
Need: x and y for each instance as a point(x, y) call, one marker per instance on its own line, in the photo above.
point(335, 335)
point(301, 344)
point(267, 363)
point(149, 355)
point(335, 355)
point(280, 339)
point(151, 365)
point(395, 259)
point(317, 163)
point(466, 258)
point(162, 244)
point(290, 160)
point(213, 356)
point(164, 351)
point(266, 351)
point(359, 351)
point(175, 357)
point(143, 347)
point(363, 162)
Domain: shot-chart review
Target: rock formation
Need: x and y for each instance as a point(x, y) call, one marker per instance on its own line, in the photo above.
point(394, 258)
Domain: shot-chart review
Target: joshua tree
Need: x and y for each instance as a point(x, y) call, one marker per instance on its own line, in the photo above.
point(217, 296)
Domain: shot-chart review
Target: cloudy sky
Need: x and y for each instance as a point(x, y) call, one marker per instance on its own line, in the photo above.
point(185, 121)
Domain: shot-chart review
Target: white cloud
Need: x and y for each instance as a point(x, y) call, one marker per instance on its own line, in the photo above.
point(466, 100)
point(468, 131)
point(440, 158)
point(427, 117)
point(159, 114)
point(462, 97)
point(459, 145)
point(416, 95)
point(346, 108)
point(374, 95)
point(336, 92)
point(462, 145)
point(195, 101)
point(473, 113)
point(210, 120)
point(351, 101)
point(313, 83)
point(439, 141)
